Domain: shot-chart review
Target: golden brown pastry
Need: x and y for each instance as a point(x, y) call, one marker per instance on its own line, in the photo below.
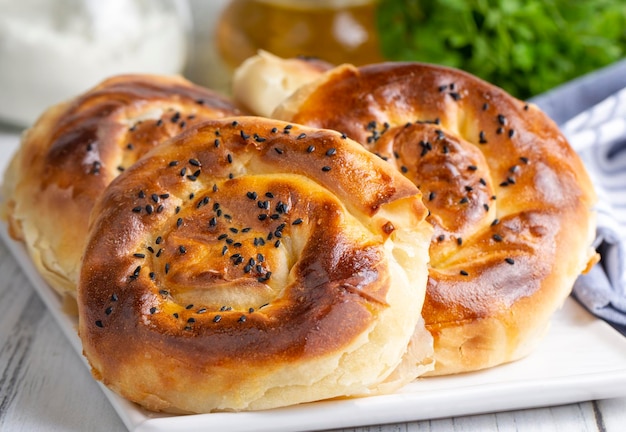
point(510, 201)
point(251, 264)
point(76, 148)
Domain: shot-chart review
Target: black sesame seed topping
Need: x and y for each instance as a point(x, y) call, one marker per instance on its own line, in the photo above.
point(310, 149)
point(99, 324)
point(497, 237)
point(301, 136)
point(326, 168)
point(463, 273)
point(331, 151)
point(510, 260)
point(252, 195)
point(217, 318)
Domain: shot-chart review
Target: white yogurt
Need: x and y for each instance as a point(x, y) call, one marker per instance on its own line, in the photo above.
point(53, 50)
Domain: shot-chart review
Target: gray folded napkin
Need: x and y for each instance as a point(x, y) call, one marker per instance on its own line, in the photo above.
point(591, 112)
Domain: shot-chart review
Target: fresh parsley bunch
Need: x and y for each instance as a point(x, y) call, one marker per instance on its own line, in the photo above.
point(523, 46)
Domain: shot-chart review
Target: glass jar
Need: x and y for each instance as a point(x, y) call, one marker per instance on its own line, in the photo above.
point(337, 31)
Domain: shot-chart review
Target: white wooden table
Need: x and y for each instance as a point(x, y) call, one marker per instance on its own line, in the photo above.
point(44, 385)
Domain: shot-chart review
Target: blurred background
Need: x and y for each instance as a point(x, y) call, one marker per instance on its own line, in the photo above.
point(53, 50)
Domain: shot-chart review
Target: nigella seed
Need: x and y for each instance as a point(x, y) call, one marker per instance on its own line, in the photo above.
point(217, 318)
point(510, 260)
point(201, 311)
point(189, 306)
point(108, 310)
point(485, 106)
point(242, 318)
point(150, 249)
point(277, 243)
point(149, 209)
point(160, 208)
point(331, 151)
point(99, 323)
point(297, 221)
point(179, 222)
point(175, 315)
point(464, 200)
point(481, 137)
point(269, 194)
point(191, 320)
point(158, 254)
point(153, 310)
point(173, 163)
point(326, 168)
point(511, 133)
point(495, 222)
point(343, 135)
point(194, 162)
point(152, 275)
point(500, 130)
point(229, 158)
point(404, 169)
point(222, 236)
point(213, 221)
point(216, 143)
point(259, 139)
point(301, 136)
point(310, 149)
point(137, 209)
point(431, 196)
point(464, 273)
point(233, 230)
point(114, 297)
point(175, 117)
point(441, 237)
point(139, 255)
point(501, 119)
point(182, 249)
point(524, 159)
point(262, 217)
point(472, 167)
point(224, 250)
point(252, 195)
point(459, 241)
point(167, 268)
point(278, 150)
point(183, 171)
point(482, 181)
point(159, 122)
point(456, 96)
point(486, 207)
point(141, 194)
point(497, 237)
point(244, 135)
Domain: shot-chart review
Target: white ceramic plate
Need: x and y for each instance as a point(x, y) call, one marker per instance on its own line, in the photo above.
point(581, 358)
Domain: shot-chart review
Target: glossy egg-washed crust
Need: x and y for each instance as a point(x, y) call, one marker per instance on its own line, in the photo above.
point(250, 263)
point(510, 201)
point(76, 148)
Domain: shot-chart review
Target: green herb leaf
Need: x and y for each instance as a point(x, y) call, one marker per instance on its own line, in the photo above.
point(525, 47)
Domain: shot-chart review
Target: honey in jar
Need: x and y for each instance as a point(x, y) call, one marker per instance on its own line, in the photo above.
point(337, 31)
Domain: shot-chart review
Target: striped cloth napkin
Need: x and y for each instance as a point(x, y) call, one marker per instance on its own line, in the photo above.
point(598, 134)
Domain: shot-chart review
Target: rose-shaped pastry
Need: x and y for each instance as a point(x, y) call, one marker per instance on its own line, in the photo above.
point(509, 199)
point(76, 148)
point(250, 264)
